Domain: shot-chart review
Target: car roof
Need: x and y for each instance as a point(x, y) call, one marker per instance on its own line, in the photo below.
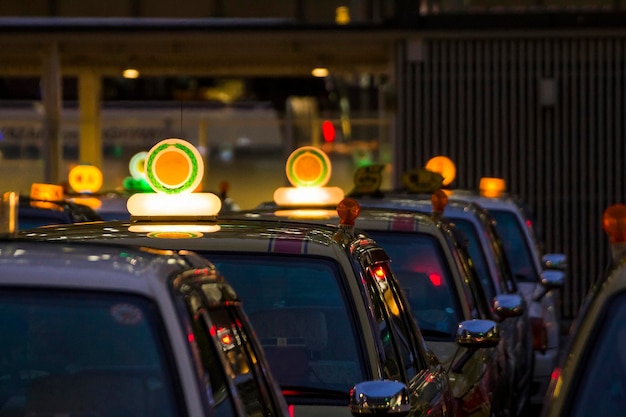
point(86, 265)
point(236, 235)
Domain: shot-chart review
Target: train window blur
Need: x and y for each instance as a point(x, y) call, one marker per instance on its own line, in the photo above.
point(425, 277)
point(301, 316)
point(602, 381)
point(62, 351)
point(515, 245)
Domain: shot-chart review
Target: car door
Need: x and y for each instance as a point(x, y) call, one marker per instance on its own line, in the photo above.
point(405, 355)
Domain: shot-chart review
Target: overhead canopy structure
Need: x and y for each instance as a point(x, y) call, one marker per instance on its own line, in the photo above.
point(207, 47)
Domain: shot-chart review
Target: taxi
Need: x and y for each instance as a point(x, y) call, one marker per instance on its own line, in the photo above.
point(590, 379)
point(434, 271)
point(487, 255)
point(538, 277)
point(47, 205)
point(331, 317)
point(92, 329)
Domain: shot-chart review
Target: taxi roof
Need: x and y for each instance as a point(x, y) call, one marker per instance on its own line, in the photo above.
point(85, 265)
point(224, 235)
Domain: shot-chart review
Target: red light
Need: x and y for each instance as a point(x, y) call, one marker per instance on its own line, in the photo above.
point(379, 272)
point(328, 131)
point(213, 330)
point(348, 210)
point(529, 224)
point(290, 409)
point(435, 279)
point(191, 338)
point(556, 373)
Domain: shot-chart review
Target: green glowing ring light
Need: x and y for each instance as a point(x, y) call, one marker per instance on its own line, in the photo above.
point(174, 166)
point(137, 165)
point(308, 166)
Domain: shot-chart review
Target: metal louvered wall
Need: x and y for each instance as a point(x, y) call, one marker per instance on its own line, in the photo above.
point(544, 111)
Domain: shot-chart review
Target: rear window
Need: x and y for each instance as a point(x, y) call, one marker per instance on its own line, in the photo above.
point(299, 311)
point(82, 354)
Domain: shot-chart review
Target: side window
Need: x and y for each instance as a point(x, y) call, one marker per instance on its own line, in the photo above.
point(210, 362)
point(394, 324)
point(234, 342)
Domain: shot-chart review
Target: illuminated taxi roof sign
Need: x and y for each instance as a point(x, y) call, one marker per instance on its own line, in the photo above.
point(137, 180)
point(308, 170)
point(492, 187)
point(444, 166)
point(174, 169)
point(85, 179)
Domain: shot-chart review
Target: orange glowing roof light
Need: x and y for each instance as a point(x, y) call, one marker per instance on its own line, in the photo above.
point(444, 166)
point(348, 210)
point(492, 187)
point(614, 222)
point(439, 200)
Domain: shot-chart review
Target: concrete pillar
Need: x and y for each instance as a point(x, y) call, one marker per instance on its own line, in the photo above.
point(89, 99)
point(52, 97)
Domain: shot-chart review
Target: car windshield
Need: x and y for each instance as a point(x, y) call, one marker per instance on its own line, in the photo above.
point(300, 313)
point(601, 382)
point(516, 245)
point(420, 266)
point(82, 354)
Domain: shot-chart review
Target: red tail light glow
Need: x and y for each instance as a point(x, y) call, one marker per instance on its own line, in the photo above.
point(435, 279)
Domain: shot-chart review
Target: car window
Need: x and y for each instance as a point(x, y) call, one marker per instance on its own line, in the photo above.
point(426, 279)
point(83, 354)
point(516, 247)
point(227, 354)
point(300, 312)
point(477, 255)
point(601, 382)
point(396, 325)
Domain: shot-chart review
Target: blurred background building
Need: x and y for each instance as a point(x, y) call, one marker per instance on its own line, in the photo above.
point(532, 91)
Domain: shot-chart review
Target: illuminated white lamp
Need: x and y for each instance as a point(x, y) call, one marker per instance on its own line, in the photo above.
point(444, 166)
point(308, 196)
point(319, 214)
point(130, 73)
point(174, 230)
point(320, 72)
point(174, 169)
point(308, 170)
point(492, 187)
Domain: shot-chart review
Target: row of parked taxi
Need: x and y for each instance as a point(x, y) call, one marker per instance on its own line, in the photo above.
point(424, 301)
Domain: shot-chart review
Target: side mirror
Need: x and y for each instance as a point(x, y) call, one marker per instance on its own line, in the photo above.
point(473, 335)
point(551, 279)
point(384, 397)
point(478, 334)
point(508, 305)
point(557, 261)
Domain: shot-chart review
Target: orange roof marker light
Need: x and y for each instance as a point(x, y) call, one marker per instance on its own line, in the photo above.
point(439, 201)
point(308, 170)
point(348, 210)
point(492, 187)
point(174, 169)
point(614, 224)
